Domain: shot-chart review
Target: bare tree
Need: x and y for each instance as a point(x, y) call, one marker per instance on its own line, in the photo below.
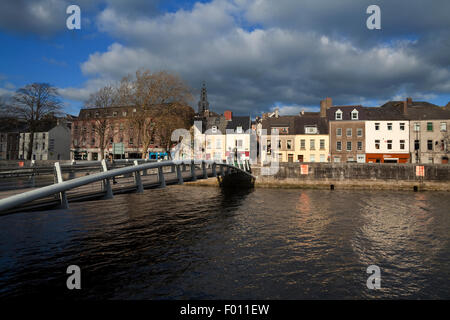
point(104, 98)
point(151, 95)
point(34, 103)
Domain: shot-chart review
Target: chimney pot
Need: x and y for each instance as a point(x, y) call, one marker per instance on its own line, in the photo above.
point(228, 115)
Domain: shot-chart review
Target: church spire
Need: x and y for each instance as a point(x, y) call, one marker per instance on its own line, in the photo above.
point(203, 104)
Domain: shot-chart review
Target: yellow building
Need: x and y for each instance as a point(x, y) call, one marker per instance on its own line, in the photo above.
point(301, 138)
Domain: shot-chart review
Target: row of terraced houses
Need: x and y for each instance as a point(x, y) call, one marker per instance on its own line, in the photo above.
point(396, 132)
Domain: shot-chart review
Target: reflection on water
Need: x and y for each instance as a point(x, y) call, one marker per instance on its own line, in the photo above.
point(202, 243)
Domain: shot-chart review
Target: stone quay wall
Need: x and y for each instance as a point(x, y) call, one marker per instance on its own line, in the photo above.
point(356, 176)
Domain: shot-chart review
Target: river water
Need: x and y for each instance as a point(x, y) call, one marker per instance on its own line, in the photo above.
point(186, 242)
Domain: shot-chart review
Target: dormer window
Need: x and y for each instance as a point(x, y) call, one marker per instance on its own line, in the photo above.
point(310, 129)
point(355, 114)
point(239, 129)
point(214, 129)
point(338, 115)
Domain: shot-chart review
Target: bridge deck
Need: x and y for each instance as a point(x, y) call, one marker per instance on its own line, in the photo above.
point(95, 190)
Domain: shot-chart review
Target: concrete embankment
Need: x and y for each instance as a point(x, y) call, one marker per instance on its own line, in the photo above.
point(352, 176)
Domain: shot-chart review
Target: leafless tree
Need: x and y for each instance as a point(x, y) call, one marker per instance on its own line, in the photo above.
point(102, 127)
point(34, 103)
point(152, 95)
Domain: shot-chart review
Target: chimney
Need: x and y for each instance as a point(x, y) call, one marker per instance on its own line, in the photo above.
point(228, 115)
point(405, 106)
point(324, 106)
point(409, 101)
point(277, 112)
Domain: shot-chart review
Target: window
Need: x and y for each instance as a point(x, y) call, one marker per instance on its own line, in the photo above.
point(312, 158)
point(377, 126)
point(214, 129)
point(339, 132)
point(289, 144)
point(302, 144)
point(322, 158)
point(416, 145)
point(402, 126)
point(355, 114)
point(402, 144)
point(322, 144)
point(93, 141)
point(338, 145)
point(336, 159)
point(349, 132)
point(121, 127)
point(97, 114)
point(114, 113)
point(429, 126)
point(218, 143)
point(389, 144)
point(377, 144)
point(239, 143)
point(359, 145)
point(389, 126)
point(279, 144)
point(349, 146)
point(312, 144)
point(443, 127)
point(269, 146)
point(239, 129)
point(130, 142)
point(124, 113)
point(359, 132)
point(430, 145)
point(416, 126)
point(310, 129)
point(208, 144)
point(338, 115)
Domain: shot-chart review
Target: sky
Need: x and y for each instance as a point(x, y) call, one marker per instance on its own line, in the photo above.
point(253, 55)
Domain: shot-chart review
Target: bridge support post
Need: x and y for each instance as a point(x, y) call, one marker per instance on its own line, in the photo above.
point(193, 174)
point(32, 178)
point(184, 167)
point(179, 175)
point(144, 173)
point(205, 172)
point(162, 180)
point(64, 204)
point(137, 179)
point(106, 183)
point(222, 173)
point(172, 170)
point(214, 170)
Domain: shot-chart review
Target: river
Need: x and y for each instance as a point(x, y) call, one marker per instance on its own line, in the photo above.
point(186, 242)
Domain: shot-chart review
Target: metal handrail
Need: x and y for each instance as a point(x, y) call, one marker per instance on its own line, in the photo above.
point(61, 187)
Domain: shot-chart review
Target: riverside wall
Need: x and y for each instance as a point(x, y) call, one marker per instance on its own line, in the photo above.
point(356, 176)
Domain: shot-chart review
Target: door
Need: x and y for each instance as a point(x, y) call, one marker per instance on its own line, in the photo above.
point(300, 158)
point(290, 158)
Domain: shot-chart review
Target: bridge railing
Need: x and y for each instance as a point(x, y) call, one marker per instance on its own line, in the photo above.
point(61, 186)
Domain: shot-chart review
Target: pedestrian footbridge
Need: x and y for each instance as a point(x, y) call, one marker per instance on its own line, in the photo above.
point(74, 182)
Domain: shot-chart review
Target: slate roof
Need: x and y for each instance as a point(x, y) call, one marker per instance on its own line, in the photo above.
point(239, 121)
point(419, 110)
point(346, 112)
point(311, 120)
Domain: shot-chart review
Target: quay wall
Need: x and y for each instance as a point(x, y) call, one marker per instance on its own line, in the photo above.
point(356, 176)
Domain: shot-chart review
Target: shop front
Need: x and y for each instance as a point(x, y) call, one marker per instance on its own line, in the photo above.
point(387, 157)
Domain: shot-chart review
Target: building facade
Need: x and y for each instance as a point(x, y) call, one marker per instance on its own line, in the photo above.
point(53, 144)
point(347, 133)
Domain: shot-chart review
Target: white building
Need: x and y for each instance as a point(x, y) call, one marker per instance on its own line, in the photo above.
point(387, 141)
point(53, 144)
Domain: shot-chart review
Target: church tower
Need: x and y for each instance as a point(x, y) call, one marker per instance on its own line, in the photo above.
point(203, 104)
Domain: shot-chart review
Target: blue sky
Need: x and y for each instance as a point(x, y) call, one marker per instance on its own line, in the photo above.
point(254, 55)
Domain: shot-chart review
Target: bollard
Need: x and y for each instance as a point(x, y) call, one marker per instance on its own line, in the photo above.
point(205, 172)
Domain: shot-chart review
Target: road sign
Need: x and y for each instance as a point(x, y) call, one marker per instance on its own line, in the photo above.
point(118, 148)
point(420, 171)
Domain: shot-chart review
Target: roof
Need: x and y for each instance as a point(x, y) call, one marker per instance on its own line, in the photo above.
point(297, 123)
point(239, 121)
point(346, 112)
point(217, 121)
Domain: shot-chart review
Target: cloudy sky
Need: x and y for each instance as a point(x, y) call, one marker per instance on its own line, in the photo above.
point(253, 54)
